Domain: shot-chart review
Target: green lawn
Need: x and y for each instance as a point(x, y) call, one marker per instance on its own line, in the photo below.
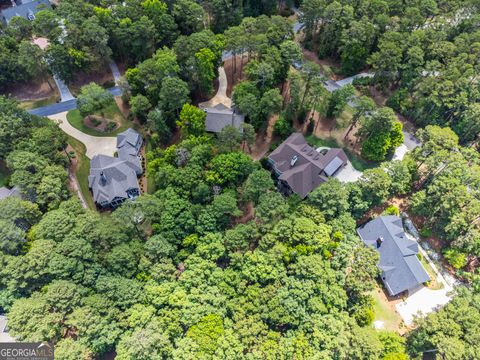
point(384, 312)
point(111, 112)
point(433, 284)
point(357, 162)
point(32, 104)
point(83, 170)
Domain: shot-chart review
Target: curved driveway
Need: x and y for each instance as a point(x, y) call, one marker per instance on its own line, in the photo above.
point(221, 95)
point(94, 145)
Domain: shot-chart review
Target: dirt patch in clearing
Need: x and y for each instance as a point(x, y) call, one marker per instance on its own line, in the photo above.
point(102, 77)
point(325, 63)
point(264, 139)
point(122, 106)
point(248, 214)
point(31, 90)
point(234, 68)
point(100, 124)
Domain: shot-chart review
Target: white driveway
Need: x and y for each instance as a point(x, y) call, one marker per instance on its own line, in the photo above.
point(423, 301)
point(221, 95)
point(348, 174)
point(4, 336)
point(95, 145)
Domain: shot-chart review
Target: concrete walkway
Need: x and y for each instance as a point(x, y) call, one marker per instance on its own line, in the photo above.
point(94, 145)
point(221, 95)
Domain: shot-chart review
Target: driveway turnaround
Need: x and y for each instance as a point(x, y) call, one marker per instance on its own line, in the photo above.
point(95, 145)
point(221, 95)
point(423, 300)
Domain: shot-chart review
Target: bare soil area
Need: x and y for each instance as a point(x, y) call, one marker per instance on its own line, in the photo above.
point(234, 68)
point(102, 77)
point(32, 90)
point(100, 124)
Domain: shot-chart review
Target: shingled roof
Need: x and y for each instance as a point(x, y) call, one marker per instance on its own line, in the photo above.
point(303, 167)
point(220, 116)
point(115, 178)
point(401, 269)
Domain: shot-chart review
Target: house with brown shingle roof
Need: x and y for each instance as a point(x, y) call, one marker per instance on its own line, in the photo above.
point(300, 169)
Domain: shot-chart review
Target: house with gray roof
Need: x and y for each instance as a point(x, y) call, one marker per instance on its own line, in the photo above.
point(400, 267)
point(220, 116)
point(300, 169)
point(25, 9)
point(113, 180)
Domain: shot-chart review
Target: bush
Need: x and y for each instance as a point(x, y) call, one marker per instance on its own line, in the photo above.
point(282, 128)
point(425, 232)
point(364, 315)
point(95, 122)
point(392, 210)
point(455, 258)
point(111, 125)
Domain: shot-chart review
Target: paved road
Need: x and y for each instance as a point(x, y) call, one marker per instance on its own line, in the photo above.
point(95, 145)
point(68, 105)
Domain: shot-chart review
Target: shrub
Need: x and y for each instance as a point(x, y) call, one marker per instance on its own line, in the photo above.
point(95, 122)
point(455, 258)
point(111, 125)
point(392, 210)
point(364, 315)
point(425, 232)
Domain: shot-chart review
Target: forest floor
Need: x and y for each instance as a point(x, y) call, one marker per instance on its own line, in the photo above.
point(32, 94)
point(234, 69)
point(102, 77)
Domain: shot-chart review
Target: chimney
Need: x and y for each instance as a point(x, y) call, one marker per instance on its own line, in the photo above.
point(103, 178)
point(379, 242)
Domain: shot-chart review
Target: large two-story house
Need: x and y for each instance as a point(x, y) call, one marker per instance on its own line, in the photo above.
point(300, 169)
point(113, 180)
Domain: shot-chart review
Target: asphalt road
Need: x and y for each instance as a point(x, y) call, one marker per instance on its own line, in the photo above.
point(68, 105)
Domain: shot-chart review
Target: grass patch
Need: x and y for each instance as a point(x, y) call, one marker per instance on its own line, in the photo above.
point(111, 112)
point(357, 162)
point(33, 104)
point(83, 170)
point(317, 142)
point(384, 312)
point(433, 284)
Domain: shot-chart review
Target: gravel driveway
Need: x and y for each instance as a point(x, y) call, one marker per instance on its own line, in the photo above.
point(95, 145)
